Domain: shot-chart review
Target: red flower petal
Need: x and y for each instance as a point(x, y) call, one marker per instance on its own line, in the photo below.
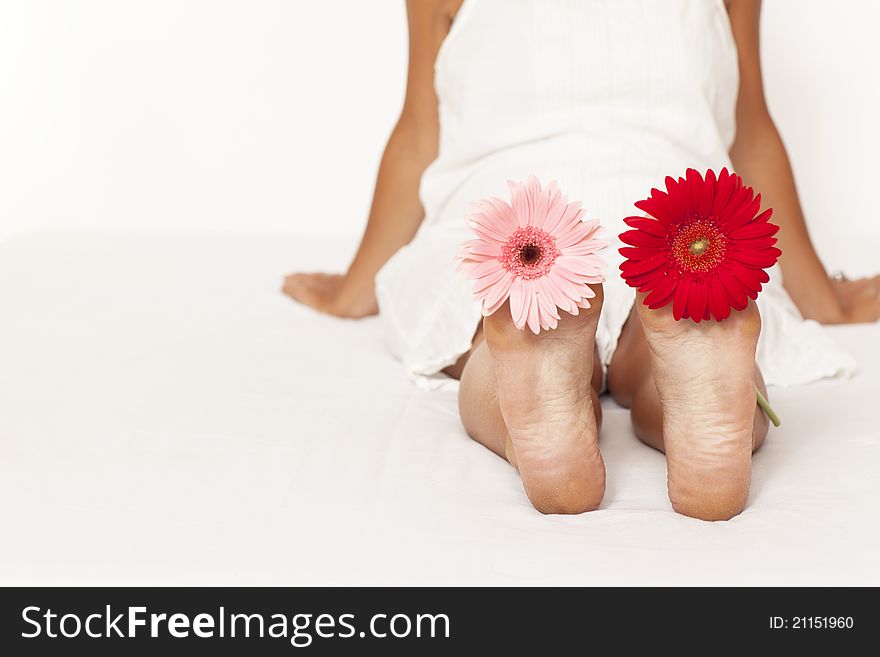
point(680, 299)
point(661, 294)
point(642, 238)
point(641, 252)
point(745, 215)
point(765, 257)
point(738, 200)
point(707, 195)
point(755, 244)
point(736, 292)
point(755, 229)
point(719, 306)
point(697, 300)
point(636, 267)
point(647, 225)
point(659, 207)
point(726, 187)
point(647, 281)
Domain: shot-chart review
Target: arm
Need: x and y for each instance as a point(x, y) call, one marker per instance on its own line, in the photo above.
point(759, 156)
point(396, 211)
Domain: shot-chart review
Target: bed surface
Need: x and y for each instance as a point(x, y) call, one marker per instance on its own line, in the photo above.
point(168, 417)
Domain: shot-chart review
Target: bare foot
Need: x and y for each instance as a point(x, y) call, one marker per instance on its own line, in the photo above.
point(545, 397)
point(705, 376)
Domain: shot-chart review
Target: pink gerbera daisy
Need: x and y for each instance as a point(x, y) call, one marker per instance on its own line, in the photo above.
point(536, 251)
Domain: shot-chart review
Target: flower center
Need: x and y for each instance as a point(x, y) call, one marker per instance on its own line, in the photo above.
point(529, 252)
point(698, 246)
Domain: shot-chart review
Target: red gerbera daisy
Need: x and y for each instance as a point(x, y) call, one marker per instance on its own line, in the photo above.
point(703, 247)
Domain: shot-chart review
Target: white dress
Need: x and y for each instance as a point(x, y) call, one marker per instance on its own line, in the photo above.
point(607, 97)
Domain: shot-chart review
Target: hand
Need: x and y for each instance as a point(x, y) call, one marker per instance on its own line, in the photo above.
point(859, 299)
point(333, 294)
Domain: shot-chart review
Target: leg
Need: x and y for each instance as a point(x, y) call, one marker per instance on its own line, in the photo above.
point(532, 400)
point(690, 388)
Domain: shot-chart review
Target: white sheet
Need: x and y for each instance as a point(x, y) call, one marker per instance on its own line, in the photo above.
point(167, 417)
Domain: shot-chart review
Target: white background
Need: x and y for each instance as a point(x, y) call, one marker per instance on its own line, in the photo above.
point(271, 114)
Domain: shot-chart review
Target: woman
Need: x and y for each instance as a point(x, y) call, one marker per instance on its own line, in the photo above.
point(606, 97)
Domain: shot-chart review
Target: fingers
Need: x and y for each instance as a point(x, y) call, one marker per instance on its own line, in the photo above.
point(297, 288)
point(866, 287)
point(860, 298)
point(316, 290)
point(305, 288)
point(294, 284)
point(867, 280)
point(857, 282)
point(866, 309)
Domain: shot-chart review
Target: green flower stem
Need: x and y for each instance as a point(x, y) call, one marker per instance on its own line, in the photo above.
point(768, 410)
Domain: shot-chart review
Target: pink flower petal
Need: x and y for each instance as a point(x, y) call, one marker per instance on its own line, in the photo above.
point(488, 233)
point(500, 212)
point(498, 294)
point(555, 208)
point(572, 213)
point(581, 265)
point(518, 303)
point(519, 203)
point(561, 297)
point(533, 316)
point(481, 285)
point(547, 301)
